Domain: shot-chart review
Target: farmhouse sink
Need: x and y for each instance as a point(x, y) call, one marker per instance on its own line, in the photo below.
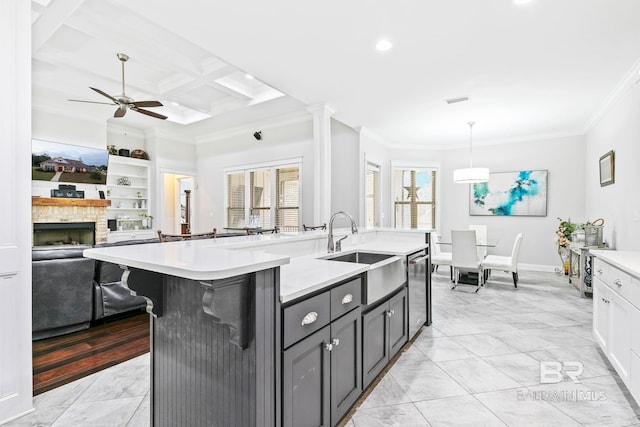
point(386, 272)
point(360, 257)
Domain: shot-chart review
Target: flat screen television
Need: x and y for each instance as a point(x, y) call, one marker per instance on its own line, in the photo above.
point(62, 163)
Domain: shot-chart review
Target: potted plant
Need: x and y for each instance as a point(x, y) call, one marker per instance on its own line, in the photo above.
point(146, 220)
point(564, 233)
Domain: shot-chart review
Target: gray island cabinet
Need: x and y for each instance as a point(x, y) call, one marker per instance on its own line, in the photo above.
point(321, 374)
point(239, 340)
point(215, 329)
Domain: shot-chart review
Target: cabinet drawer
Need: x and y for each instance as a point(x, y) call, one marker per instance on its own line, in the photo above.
point(305, 317)
point(345, 297)
point(635, 293)
point(601, 270)
point(618, 280)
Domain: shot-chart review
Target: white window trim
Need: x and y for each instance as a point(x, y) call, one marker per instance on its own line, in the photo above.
point(373, 166)
point(403, 164)
point(252, 167)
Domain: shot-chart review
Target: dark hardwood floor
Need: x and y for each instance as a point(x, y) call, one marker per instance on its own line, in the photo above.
point(60, 360)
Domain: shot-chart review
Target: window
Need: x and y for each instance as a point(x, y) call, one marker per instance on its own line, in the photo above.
point(279, 208)
point(371, 192)
point(288, 198)
point(414, 192)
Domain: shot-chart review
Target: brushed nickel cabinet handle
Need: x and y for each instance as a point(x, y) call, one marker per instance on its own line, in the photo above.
point(348, 298)
point(328, 347)
point(599, 271)
point(309, 318)
point(617, 282)
point(335, 342)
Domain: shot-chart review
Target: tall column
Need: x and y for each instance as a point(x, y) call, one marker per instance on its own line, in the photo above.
point(321, 162)
point(15, 214)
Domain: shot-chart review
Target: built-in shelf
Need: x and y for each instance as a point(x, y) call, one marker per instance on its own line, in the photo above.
point(138, 173)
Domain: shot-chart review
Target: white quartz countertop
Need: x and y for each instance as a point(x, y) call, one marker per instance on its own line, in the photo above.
point(628, 261)
point(311, 273)
point(305, 275)
point(194, 259)
point(300, 273)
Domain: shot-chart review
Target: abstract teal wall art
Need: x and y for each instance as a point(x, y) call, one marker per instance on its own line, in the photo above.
point(522, 193)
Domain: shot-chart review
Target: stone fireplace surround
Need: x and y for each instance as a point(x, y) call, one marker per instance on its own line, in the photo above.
point(56, 210)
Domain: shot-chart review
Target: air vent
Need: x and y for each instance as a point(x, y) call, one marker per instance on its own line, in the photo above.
point(460, 99)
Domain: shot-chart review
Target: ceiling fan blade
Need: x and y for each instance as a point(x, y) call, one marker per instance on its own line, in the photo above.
point(104, 94)
point(147, 104)
point(91, 102)
point(120, 112)
point(149, 113)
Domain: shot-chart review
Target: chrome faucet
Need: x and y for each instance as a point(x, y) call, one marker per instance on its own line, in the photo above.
point(354, 230)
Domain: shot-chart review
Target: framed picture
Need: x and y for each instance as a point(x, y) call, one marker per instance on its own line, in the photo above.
point(520, 193)
point(607, 169)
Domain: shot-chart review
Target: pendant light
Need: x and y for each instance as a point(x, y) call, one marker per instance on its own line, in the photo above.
point(470, 175)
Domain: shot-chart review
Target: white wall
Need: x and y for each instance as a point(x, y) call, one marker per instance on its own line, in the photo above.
point(279, 142)
point(345, 154)
point(169, 154)
point(373, 149)
point(619, 130)
point(564, 160)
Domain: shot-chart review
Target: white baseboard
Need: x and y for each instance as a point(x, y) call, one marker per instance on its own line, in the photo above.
point(538, 267)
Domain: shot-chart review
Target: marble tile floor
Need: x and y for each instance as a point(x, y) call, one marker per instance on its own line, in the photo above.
point(478, 365)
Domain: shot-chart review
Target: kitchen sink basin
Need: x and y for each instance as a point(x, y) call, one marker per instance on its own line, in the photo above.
point(385, 274)
point(360, 257)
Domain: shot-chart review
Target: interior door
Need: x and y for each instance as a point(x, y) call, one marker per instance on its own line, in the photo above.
point(15, 214)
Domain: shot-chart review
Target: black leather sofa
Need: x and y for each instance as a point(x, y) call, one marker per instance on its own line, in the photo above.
point(70, 291)
point(62, 299)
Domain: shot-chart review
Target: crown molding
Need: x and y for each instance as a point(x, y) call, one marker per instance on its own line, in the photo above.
point(364, 131)
point(273, 122)
point(630, 78)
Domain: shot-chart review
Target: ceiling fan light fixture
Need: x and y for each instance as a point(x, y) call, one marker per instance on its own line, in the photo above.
point(471, 175)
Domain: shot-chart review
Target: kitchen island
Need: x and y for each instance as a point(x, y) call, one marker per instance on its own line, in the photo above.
point(221, 319)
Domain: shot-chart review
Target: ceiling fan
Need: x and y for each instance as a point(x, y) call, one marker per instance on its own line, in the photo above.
point(123, 102)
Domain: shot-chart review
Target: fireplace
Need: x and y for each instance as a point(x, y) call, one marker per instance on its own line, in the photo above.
point(64, 233)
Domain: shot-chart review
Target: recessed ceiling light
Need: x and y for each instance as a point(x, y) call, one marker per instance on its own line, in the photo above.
point(383, 45)
point(249, 76)
point(175, 104)
point(521, 2)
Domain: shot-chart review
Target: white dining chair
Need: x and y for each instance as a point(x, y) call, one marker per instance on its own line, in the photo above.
point(437, 256)
point(464, 255)
point(508, 264)
point(481, 239)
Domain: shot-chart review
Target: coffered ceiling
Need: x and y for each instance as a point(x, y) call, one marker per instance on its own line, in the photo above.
point(544, 68)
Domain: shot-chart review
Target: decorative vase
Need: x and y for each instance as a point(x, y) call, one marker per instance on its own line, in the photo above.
point(563, 251)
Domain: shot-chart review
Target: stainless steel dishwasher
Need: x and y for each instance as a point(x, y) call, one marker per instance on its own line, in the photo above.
point(417, 271)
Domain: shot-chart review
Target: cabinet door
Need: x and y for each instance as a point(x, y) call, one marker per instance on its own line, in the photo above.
point(620, 312)
point(346, 359)
point(601, 295)
point(398, 322)
point(634, 377)
point(375, 342)
point(305, 382)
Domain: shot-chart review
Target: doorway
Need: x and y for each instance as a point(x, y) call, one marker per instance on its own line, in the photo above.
point(178, 203)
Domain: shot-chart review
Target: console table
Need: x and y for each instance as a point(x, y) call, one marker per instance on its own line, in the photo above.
point(581, 267)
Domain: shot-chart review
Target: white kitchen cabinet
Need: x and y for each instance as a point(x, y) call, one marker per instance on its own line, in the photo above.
point(616, 319)
point(601, 295)
point(620, 335)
